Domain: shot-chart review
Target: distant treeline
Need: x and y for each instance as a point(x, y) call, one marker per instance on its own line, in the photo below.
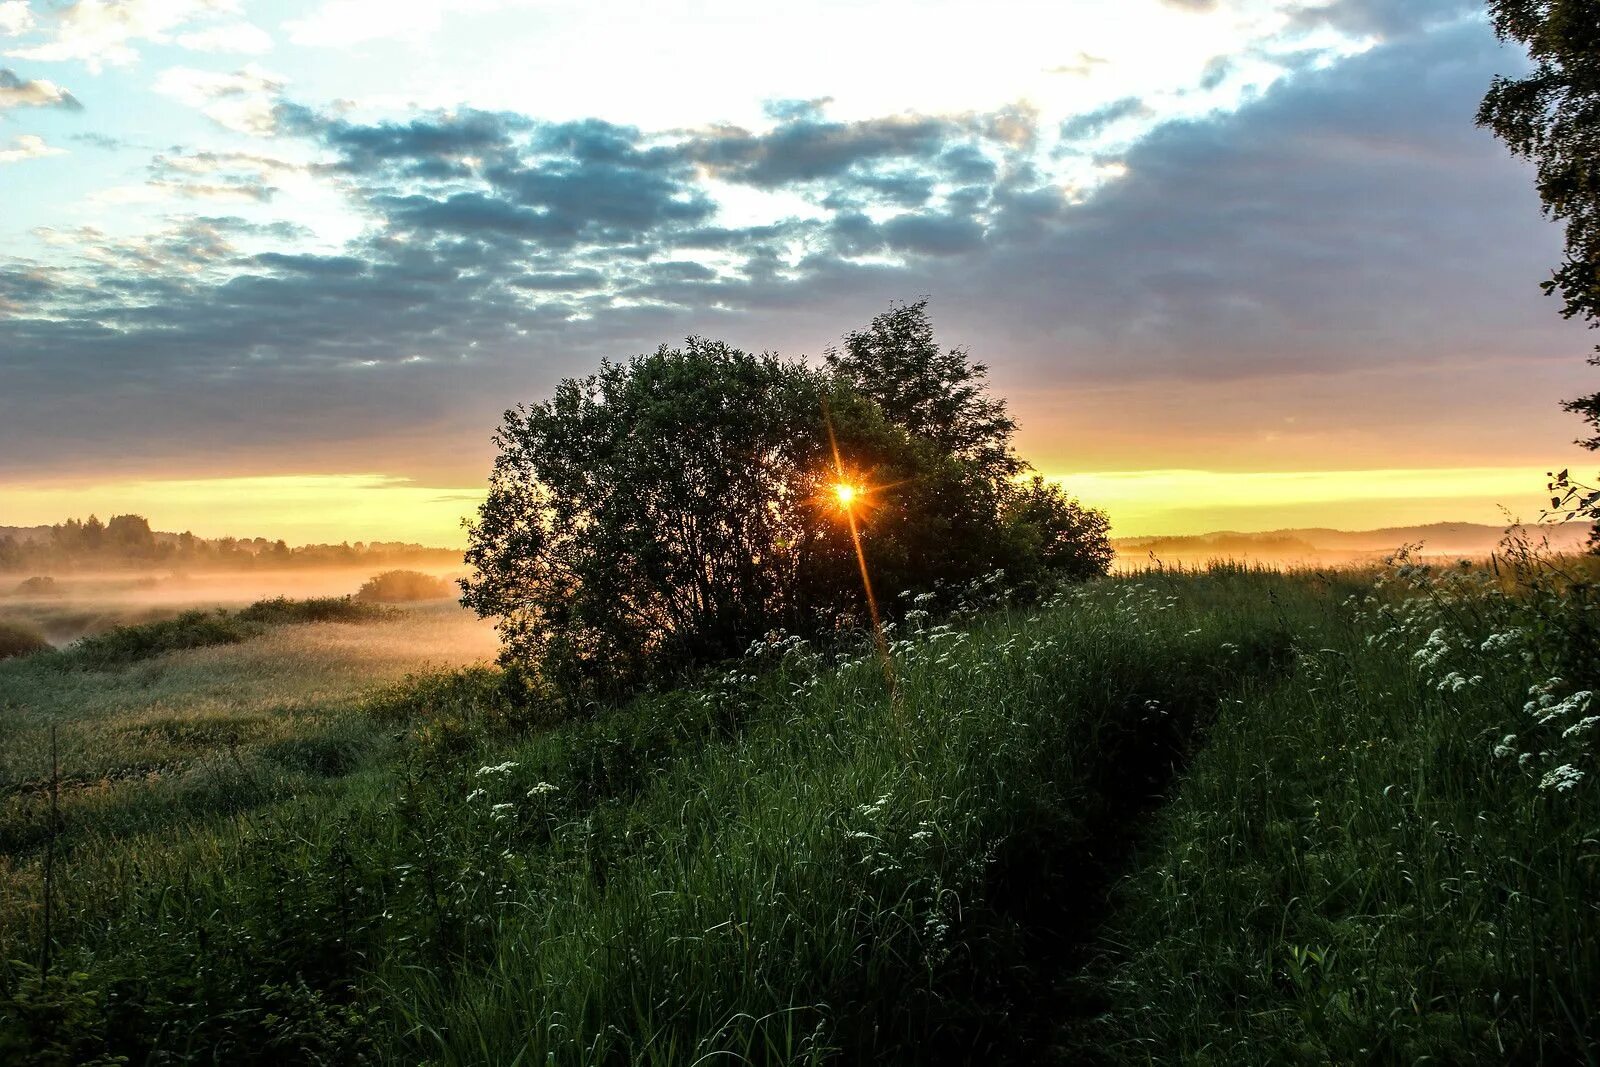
point(127, 542)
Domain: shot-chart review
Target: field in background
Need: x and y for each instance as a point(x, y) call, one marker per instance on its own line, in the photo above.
point(1325, 548)
point(92, 603)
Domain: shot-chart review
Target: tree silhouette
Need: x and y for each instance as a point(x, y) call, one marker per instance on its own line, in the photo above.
point(1552, 117)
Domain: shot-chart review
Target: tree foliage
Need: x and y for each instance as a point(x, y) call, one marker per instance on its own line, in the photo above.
point(933, 393)
point(663, 512)
point(1552, 117)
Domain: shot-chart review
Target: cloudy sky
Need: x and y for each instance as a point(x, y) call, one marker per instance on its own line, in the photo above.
point(277, 267)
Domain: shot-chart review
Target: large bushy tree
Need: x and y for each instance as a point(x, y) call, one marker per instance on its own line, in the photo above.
point(664, 512)
point(1552, 117)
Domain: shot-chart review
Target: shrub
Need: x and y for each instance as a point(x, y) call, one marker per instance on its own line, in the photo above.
point(125, 644)
point(20, 639)
point(199, 629)
point(281, 611)
point(39, 585)
point(396, 587)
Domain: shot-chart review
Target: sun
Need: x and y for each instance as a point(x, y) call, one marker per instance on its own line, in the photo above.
point(845, 493)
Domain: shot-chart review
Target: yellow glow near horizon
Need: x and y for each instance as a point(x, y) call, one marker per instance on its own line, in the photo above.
point(373, 507)
point(300, 508)
point(1157, 502)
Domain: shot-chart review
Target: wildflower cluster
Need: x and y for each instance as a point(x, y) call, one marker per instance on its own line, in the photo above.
point(1521, 625)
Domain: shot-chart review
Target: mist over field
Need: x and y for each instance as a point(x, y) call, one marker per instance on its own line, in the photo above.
point(80, 603)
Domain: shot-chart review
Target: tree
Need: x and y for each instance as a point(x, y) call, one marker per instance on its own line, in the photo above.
point(1057, 533)
point(657, 512)
point(933, 393)
point(663, 513)
point(130, 536)
point(1552, 117)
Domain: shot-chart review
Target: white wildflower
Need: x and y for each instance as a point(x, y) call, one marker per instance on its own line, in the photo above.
point(1562, 779)
point(499, 768)
point(1497, 642)
point(1582, 726)
point(1455, 681)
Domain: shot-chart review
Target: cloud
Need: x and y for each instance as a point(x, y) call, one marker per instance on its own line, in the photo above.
point(809, 149)
point(28, 146)
point(1381, 18)
point(1081, 67)
point(16, 92)
point(342, 23)
point(103, 32)
point(561, 281)
point(239, 177)
point(245, 101)
point(1351, 216)
point(1348, 217)
point(1091, 124)
point(16, 18)
point(1197, 6)
point(441, 145)
point(1217, 69)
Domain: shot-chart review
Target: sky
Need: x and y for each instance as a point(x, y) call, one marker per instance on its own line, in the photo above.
point(277, 268)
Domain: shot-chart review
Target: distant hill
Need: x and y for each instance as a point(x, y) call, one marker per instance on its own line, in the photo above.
point(1323, 545)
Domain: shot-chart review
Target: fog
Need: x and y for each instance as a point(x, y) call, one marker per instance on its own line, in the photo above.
point(88, 603)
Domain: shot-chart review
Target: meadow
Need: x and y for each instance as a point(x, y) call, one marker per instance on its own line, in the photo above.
point(1229, 815)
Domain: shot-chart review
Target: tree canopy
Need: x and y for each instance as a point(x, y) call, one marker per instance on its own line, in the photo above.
point(1551, 116)
point(663, 512)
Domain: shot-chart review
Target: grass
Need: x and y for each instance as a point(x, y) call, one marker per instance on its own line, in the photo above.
point(1194, 817)
point(203, 733)
point(1373, 859)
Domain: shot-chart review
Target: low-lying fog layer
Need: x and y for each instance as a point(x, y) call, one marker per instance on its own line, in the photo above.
point(86, 603)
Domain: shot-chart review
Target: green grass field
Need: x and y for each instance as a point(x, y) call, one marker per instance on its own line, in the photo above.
point(1231, 816)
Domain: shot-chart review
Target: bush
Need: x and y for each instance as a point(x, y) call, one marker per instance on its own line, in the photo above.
point(20, 639)
point(200, 629)
point(126, 644)
point(40, 585)
point(281, 611)
point(397, 587)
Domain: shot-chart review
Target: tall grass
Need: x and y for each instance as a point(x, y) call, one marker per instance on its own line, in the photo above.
point(1390, 854)
point(961, 858)
point(790, 863)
